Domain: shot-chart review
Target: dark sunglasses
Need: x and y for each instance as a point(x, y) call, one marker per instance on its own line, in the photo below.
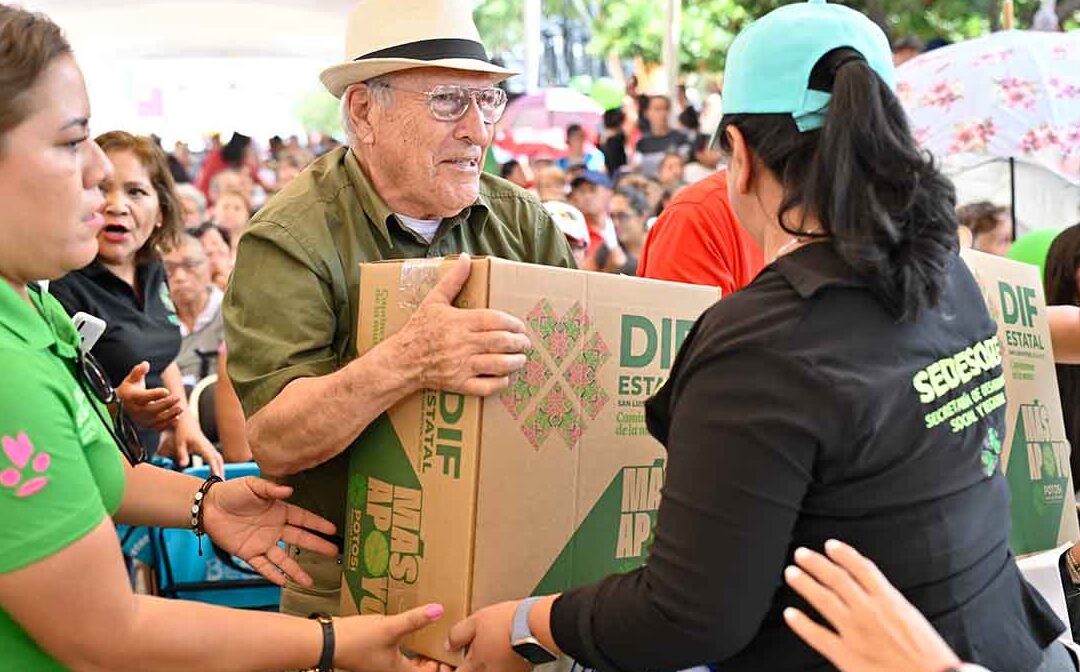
point(96, 384)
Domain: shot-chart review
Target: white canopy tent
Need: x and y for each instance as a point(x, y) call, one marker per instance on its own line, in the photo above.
point(187, 68)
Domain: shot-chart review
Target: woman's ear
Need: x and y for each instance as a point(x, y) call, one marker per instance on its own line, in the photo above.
point(741, 161)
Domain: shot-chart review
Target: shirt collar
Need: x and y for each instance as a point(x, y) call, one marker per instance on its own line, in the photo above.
point(815, 267)
point(213, 307)
point(38, 329)
point(383, 217)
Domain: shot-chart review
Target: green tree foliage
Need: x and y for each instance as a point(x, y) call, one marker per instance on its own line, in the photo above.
point(635, 27)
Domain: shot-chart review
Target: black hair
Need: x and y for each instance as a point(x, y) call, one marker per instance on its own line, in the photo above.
point(614, 118)
point(208, 226)
point(1059, 277)
point(233, 151)
point(572, 129)
point(690, 119)
point(701, 143)
point(507, 168)
point(883, 204)
point(637, 201)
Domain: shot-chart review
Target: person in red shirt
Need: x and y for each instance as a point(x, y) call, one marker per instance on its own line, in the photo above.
point(697, 240)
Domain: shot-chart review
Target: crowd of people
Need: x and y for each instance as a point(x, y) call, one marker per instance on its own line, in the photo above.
point(785, 426)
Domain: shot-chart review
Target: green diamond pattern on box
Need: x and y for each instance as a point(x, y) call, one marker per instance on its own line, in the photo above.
point(1038, 479)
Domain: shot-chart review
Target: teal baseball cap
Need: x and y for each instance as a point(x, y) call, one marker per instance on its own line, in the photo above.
point(769, 64)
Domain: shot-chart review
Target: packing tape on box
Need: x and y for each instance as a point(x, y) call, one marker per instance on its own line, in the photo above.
point(418, 277)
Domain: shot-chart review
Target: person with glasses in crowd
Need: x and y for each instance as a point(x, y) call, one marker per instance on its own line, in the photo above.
point(628, 213)
point(126, 286)
point(198, 307)
point(70, 465)
point(420, 104)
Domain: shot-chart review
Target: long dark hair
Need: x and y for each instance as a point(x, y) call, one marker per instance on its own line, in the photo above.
point(1059, 278)
point(883, 205)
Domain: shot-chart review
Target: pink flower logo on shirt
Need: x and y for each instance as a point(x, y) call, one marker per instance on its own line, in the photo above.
point(20, 451)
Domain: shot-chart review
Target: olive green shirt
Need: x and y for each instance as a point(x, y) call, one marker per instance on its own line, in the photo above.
point(291, 307)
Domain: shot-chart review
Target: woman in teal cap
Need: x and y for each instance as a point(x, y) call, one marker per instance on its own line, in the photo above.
point(821, 402)
point(65, 598)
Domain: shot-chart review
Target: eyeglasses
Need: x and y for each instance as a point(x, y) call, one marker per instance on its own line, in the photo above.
point(95, 384)
point(188, 265)
point(621, 216)
point(450, 103)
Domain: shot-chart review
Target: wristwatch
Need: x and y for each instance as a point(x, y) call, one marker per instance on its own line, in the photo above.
point(521, 637)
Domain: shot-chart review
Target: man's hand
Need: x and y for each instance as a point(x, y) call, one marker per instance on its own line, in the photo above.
point(467, 351)
point(155, 409)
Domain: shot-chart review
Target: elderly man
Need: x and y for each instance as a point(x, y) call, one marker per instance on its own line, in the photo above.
point(420, 105)
point(198, 306)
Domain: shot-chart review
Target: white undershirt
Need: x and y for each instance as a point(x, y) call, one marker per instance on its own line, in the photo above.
point(425, 228)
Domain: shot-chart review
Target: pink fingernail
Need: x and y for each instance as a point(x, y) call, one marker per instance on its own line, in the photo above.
point(434, 611)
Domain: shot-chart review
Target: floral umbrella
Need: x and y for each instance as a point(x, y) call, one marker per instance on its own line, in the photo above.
point(1012, 95)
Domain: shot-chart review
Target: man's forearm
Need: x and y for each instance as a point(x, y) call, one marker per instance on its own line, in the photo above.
point(315, 419)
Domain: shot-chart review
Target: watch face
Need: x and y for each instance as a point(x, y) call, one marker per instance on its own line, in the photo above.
point(533, 652)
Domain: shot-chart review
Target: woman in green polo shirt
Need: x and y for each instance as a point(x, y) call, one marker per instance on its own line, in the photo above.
point(65, 599)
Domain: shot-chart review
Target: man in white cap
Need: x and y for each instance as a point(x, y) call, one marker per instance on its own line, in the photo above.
point(419, 103)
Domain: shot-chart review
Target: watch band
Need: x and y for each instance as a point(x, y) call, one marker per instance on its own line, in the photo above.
point(519, 629)
point(326, 659)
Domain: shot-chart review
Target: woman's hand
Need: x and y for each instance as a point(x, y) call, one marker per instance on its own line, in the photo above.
point(876, 628)
point(486, 637)
point(186, 439)
point(373, 643)
point(247, 517)
point(155, 409)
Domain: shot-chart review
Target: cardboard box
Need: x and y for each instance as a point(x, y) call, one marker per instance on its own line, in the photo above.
point(1035, 453)
point(551, 484)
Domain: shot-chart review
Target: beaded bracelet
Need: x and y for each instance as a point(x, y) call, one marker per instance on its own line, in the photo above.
point(197, 508)
point(1073, 567)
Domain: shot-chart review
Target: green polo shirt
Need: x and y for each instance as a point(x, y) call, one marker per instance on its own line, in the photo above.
point(291, 307)
point(60, 472)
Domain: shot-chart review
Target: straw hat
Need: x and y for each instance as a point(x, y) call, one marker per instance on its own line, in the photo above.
point(385, 36)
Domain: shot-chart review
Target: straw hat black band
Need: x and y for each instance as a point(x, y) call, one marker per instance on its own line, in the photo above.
point(432, 50)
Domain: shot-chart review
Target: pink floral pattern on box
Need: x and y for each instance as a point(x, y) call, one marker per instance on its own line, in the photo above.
point(559, 336)
point(944, 94)
point(582, 377)
point(558, 390)
point(1038, 139)
point(972, 136)
point(1017, 94)
point(555, 412)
